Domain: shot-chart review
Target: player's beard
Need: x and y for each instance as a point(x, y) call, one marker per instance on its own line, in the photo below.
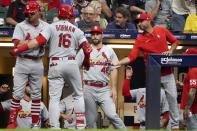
point(96, 41)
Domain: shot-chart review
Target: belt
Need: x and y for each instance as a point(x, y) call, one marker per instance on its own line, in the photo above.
point(30, 57)
point(142, 123)
point(63, 58)
point(95, 83)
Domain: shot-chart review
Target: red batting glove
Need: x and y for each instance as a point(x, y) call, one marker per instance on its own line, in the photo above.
point(19, 50)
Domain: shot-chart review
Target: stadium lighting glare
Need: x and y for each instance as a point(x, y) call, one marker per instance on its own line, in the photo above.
point(6, 44)
point(115, 46)
point(121, 46)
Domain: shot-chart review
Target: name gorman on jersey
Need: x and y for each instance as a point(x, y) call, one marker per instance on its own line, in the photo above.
point(65, 28)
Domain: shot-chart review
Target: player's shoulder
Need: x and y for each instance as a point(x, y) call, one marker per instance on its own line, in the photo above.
point(43, 22)
point(108, 48)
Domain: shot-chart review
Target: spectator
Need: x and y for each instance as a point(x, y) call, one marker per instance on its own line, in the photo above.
point(160, 10)
point(181, 9)
point(4, 88)
point(136, 7)
point(191, 23)
point(105, 8)
point(121, 23)
point(15, 12)
point(140, 96)
point(189, 96)
point(155, 40)
point(98, 15)
point(79, 5)
point(88, 19)
point(24, 111)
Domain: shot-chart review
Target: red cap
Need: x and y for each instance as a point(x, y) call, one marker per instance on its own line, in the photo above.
point(143, 16)
point(190, 51)
point(96, 29)
point(31, 7)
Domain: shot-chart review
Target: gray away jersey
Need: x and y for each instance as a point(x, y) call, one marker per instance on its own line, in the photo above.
point(140, 96)
point(24, 115)
point(64, 38)
point(26, 31)
point(100, 63)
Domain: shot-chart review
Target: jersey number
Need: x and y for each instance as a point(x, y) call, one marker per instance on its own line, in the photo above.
point(64, 40)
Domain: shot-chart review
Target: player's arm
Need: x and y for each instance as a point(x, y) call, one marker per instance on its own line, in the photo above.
point(38, 41)
point(113, 78)
point(126, 84)
point(87, 49)
point(130, 58)
point(165, 119)
point(171, 39)
point(190, 101)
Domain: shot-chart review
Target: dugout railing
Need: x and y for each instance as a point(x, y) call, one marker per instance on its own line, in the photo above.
point(155, 62)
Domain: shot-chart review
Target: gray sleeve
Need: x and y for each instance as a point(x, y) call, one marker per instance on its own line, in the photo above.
point(47, 32)
point(6, 105)
point(44, 112)
point(133, 93)
point(113, 58)
point(80, 36)
point(80, 56)
point(18, 32)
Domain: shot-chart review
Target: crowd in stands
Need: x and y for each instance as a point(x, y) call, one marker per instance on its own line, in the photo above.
point(176, 15)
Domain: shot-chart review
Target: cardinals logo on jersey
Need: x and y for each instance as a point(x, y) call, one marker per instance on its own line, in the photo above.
point(141, 102)
point(28, 37)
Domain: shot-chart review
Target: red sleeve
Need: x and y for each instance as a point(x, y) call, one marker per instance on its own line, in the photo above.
point(170, 37)
point(16, 42)
point(126, 88)
point(166, 115)
point(134, 53)
point(185, 92)
point(193, 77)
point(41, 40)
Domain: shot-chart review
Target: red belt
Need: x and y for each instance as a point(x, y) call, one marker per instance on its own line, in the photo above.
point(63, 58)
point(96, 83)
point(31, 57)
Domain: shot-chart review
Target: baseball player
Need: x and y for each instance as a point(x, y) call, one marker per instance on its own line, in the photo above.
point(189, 96)
point(97, 91)
point(29, 66)
point(63, 38)
point(140, 96)
point(23, 117)
point(67, 112)
point(155, 40)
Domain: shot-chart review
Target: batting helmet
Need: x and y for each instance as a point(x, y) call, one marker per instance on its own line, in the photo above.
point(31, 7)
point(97, 29)
point(66, 11)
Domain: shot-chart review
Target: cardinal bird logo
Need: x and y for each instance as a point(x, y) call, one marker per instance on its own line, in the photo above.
point(141, 102)
point(27, 37)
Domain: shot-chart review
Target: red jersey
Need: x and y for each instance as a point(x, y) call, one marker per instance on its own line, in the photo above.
point(190, 81)
point(156, 42)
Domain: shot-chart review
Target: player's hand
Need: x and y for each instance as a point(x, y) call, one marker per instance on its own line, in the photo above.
point(167, 52)
point(186, 114)
point(4, 88)
point(14, 52)
point(114, 94)
point(116, 63)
